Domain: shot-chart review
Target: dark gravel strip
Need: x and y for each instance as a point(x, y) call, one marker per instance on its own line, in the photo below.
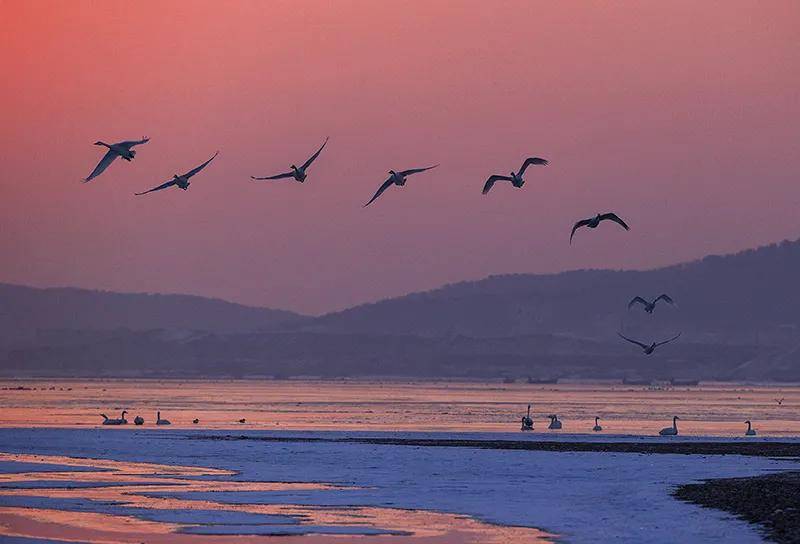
point(760, 449)
point(772, 501)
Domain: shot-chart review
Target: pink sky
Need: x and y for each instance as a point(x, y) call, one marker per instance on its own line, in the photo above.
point(683, 117)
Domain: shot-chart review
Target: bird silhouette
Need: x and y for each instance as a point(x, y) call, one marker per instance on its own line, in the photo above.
point(397, 178)
point(299, 174)
point(119, 149)
point(593, 222)
point(650, 306)
point(182, 180)
point(648, 348)
point(516, 179)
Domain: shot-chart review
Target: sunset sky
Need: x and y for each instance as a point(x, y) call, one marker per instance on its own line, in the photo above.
point(683, 117)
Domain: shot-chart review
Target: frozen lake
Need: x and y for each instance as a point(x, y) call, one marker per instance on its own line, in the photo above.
point(705, 410)
point(174, 485)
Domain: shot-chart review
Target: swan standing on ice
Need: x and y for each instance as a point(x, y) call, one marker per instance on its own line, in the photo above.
point(299, 174)
point(527, 421)
point(397, 178)
point(121, 149)
point(120, 421)
point(181, 181)
point(593, 222)
point(597, 428)
point(554, 422)
point(648, 349)
point(750, 430)
point(516, 179)
point(650, 306)
point(670, 431)
point(160, 421)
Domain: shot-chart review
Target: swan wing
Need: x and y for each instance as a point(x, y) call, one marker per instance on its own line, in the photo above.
point(532, 160)
point(668, 341)
point(665, 298)
point(130, 143)
point(278, 176)
point(107, 159)
point(315, 155)
point(636, 300)
point(416, 170)
point(164, 185)
point(386, 184)
point(615, 218)
point(195, 170)
point(632, 341)
point(578, 225)
point(490, 182)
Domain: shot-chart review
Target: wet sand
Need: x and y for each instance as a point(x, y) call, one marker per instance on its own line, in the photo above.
point(128, 485)
point(772, 501)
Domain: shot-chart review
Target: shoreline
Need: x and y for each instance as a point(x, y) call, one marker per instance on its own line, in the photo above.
point(771, 502)
point(789, 450)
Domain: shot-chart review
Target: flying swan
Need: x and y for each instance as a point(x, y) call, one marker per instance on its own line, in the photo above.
point(648, 349)
point(299, 174)
point(516, 179)
point(592, 222)
point(397, 178)
point(650, 306)
point(181, 181)
point(120, 149)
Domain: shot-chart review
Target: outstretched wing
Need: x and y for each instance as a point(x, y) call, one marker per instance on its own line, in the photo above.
point(107, 159)
point(386, 184)
point(576, 226)
point(632, 341)
point(665, 298)
point(315, 155)
point(164, 185)
point(615, 218)
point(193, 171)
point(634, 300)
point(130, 143)
point(668, 341)
point(490, 182)
point(416, 170)
point(532, 160)
point(279, 176)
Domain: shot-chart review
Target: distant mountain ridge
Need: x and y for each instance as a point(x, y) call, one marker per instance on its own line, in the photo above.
point(739, 314)
point(727, 298)
point(26, 310)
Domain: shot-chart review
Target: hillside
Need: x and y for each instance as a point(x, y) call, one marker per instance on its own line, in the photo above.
point(748, 297)
point(26, 310)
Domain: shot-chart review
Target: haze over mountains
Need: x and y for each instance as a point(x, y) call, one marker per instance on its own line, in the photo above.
point(738, 314)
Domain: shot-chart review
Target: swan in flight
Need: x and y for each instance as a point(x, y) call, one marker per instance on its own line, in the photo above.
point(160, 421)
point(299, 174)
point(516, 179)
point(181, 181)
point(397, 178)
point(120, 421)
point(592, 222)
point(138, 420)
point(648, 349)
point(670, 431)
point(554, 422)
point(650, 306)
point(120, 149)
point(597, 428)
point(750, 430)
